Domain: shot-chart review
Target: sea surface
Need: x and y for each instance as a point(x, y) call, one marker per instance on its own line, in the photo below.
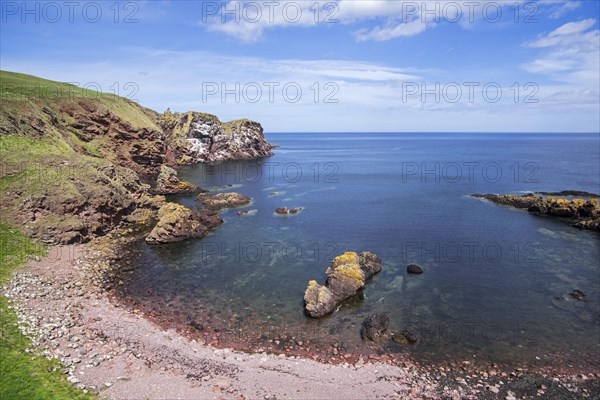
point(496, 283)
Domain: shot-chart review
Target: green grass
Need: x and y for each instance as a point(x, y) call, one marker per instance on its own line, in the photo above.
point(23, 376)
point(17, 88)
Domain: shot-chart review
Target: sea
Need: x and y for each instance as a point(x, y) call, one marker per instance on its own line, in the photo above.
point(497, 280)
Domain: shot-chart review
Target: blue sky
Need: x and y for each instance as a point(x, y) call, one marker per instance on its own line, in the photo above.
point(340, 65)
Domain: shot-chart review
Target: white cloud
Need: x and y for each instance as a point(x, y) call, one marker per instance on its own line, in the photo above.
point(248, 21)
point(370, 96)
point(570, 53)
point(381, 34)
point(564, 8)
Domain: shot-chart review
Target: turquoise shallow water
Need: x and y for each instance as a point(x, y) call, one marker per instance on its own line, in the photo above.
point(496, 279)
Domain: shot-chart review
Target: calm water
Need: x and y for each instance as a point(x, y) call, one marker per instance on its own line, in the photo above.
point(496, 279)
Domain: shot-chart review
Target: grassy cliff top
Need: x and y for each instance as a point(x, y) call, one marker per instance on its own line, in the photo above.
point(18, 91)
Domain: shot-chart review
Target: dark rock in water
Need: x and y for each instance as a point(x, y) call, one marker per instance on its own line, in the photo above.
point(374, 327)
point(168, 183)
point(586, 213)
point(287, 211)
point(414, 269)
point(223, 200)
point(177, 223)
point(404, 337)
point(577, 294)
point(345, 278)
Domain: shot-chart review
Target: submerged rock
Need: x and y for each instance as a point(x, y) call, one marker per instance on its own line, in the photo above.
point(577, 294)
point(586, 213)
point(223, 200)
point(404, 337)
point(374, 327)
point(177, 223)
point(414, 269)
point(168, 183)
point(345, 277)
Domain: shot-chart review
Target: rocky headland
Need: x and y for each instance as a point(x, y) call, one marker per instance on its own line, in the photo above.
point(74, 160)
point(583, 213)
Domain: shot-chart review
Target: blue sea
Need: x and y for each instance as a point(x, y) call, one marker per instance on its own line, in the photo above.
point(496, 280)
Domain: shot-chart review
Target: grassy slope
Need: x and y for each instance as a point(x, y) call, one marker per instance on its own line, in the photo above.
point(35, 163)
point(23, 376)
point(39, 165)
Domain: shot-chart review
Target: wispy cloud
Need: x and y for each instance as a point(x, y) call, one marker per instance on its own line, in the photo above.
point(570, 53)
point(248, 21)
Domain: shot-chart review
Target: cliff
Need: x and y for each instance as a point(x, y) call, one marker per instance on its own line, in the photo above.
point(195, 137)
point(71, 159)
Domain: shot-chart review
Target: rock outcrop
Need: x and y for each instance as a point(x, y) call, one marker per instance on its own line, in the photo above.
point(169, 183)
point(584, 213)
point(195, 137)
point(177, 223)
point(223, 200)
point(85, 205)
point(345, 277)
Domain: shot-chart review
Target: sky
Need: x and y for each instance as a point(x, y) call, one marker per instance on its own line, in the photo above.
point(326, 66)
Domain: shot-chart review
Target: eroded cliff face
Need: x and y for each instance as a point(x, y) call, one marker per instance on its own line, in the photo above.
point(195, 137)
point(71, 160)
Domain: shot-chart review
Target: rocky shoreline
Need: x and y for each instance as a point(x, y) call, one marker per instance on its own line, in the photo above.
point(64, 303)
point(584, 213)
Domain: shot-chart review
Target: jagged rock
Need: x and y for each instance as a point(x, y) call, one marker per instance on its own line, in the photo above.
point(374, 327)
point(168, 183)
point(223, 200)
point(414, 269)
point(370, 263)
point(85, 205)
point(318, 300)
point(199, 137)
point(586, 213)
point(177, 223)
point(345, 277)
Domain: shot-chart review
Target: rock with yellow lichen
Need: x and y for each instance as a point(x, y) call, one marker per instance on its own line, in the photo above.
point(318, 300)
point(168, 183)
point(584, 212)
point(346, 276)
point(223, 200)
point(176, 223)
